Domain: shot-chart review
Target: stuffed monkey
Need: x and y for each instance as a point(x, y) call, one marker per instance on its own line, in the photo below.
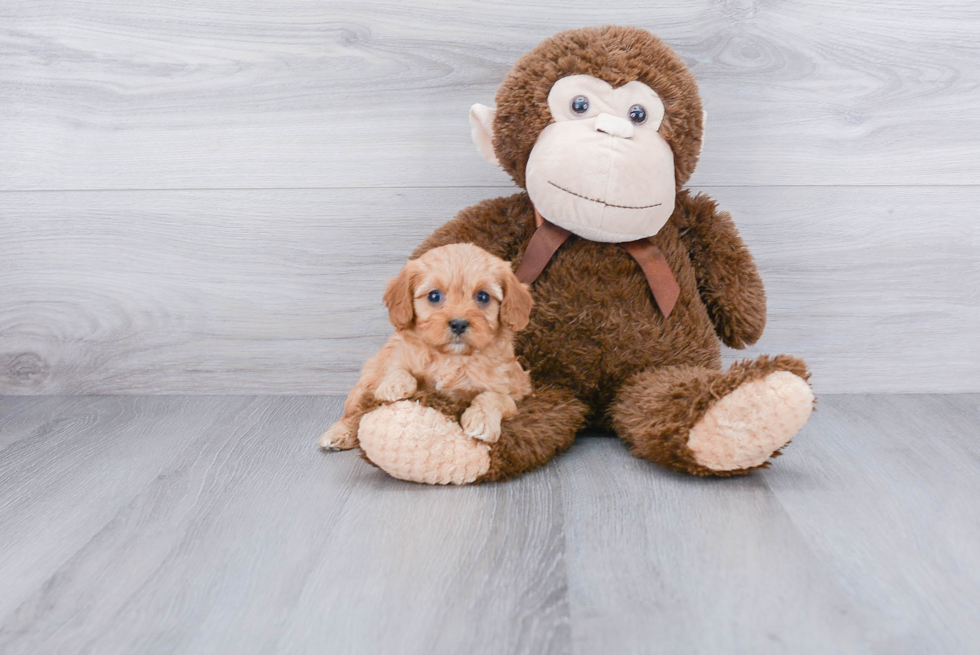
point(635, 279)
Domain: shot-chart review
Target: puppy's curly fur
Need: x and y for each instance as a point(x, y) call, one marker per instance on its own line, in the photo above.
point(455, 309)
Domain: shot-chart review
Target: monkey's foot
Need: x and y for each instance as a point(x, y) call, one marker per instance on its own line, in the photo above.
point(413, 442)
point(744, 428)
point(711, 422)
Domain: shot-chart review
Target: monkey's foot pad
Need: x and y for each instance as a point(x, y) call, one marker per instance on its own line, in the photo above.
point(413, 442)
point(746, 427)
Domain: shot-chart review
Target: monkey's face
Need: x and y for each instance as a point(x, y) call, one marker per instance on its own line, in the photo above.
point(581, 124)
point(602, 170)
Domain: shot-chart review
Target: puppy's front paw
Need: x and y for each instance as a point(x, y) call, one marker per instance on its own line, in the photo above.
point(338, 437)
point(396, 386)
point(480, 424)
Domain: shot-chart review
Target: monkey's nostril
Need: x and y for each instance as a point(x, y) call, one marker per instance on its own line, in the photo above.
point(458, 326)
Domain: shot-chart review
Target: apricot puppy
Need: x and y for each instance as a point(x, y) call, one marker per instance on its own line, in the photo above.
point(455, 310)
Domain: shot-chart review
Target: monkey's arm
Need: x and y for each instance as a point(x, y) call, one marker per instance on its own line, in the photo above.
point(728, 280)
point(499, 226)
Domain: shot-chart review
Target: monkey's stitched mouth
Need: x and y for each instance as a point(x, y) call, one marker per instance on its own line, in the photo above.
point(601, 202)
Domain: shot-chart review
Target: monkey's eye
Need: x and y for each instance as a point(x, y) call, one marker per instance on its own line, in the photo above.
point(580, 104)
point(638, 114)
point(482, 297)
point(435, 296)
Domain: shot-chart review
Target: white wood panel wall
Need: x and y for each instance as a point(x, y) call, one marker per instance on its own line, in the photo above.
point(206, 197)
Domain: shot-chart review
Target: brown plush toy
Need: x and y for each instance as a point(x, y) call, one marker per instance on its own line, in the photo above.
point(634, 279)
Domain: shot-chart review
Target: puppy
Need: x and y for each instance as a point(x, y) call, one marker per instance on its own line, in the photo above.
point(455, 309)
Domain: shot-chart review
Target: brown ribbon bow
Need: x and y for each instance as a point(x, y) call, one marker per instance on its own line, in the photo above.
point(548, 238)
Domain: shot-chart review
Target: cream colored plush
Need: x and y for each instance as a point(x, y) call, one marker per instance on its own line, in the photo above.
point(481, 131)
point(430, 447)
point(745, 427)
point(621, 187)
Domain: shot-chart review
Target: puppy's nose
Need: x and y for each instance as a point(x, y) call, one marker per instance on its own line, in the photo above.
point(458, 326)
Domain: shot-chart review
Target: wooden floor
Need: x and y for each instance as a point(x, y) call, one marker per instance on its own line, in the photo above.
point(213, 524)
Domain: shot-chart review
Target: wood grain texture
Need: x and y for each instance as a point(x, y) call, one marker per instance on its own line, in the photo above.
point(439, 570)
point(84, 466)
point(197, 524)
point(20, 417)
point(861, 538)
point(298, 93)
point(253, 540)
point(279, 291)
point(359, 110)
point(897, 475)
point(666, 562)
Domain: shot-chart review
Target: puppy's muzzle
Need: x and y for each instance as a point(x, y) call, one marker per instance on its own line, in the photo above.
point(458, 326)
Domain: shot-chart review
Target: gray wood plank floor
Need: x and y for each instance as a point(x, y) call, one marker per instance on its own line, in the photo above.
point(212, 524)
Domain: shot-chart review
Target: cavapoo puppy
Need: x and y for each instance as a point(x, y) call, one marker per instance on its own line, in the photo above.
point(455, 310)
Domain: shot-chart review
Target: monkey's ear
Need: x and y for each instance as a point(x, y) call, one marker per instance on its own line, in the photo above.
point(704, 123)
point(481, 129)
point(398, 297)
point(515, 310)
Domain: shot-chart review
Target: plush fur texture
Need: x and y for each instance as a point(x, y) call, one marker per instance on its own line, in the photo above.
point(657, 409)
point(590, 338)
point(615, 54)
point(447, 285)
point(598, 349)
point(545, 424)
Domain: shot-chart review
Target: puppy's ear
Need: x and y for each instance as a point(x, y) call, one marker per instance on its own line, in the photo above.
point(398, 297)
point(515, 310)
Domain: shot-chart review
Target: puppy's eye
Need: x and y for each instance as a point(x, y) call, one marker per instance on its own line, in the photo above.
point(638, 114)
point(435, 296)
point(482, 297)
point(580, 104)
